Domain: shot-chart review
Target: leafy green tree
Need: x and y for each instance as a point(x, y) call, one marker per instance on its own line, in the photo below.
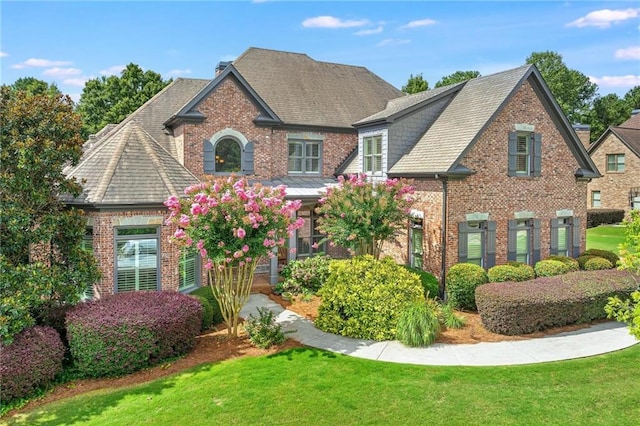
point(109, 100)
point(415, 84)
point(573, 90)
point(41, 260)
point(632, 97)
point(607, 111)
point(457, 77)
point(33, 86)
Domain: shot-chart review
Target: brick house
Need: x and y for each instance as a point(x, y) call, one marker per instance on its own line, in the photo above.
point(500, 173)
point(276, 117)
point(617, 154)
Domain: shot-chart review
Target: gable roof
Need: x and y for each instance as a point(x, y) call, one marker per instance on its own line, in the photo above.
point(129, 168)
point(294, 89)
point(475, 104)
point(628, 133)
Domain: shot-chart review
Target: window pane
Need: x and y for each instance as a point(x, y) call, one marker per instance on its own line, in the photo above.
point(137, 265)
point(522, 245)
point(368, 162)
point(313, 150)
point(523, 145)
point(474, 247)
point(188, 272)
point(377, 163)
point(367, 146)
point(295, 149)
point(378, 145)
point(137, 231)
point(227, 158)
point(312, 165)
point(295, 164)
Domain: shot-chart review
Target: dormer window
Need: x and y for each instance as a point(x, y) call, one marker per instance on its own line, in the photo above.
point(372, 147)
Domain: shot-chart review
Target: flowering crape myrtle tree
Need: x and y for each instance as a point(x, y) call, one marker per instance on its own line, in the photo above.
point(360, 215)
point(233, 225)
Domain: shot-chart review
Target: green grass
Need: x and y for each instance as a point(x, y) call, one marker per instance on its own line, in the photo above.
point(312, 387)
point(605, 237)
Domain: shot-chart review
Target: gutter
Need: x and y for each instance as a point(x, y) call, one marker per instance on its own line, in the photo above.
point(443, 260)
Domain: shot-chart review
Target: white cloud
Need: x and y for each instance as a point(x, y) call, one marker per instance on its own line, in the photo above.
point(75, 97)
point(114, 70)
point(369, 32)
point(616, 81)
point(604, 18)
point(419, 23)
point(78, 82)
point(61, 72)
point(632, 52)
point(176, 73)
point(393, 42)
point(331, 22)
point(3, 54)
point(44, 63)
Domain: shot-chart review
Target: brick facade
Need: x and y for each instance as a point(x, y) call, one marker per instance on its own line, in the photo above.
point(614, 186)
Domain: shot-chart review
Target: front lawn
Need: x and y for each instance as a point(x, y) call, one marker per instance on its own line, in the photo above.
point(605, 237)
point(310, 386)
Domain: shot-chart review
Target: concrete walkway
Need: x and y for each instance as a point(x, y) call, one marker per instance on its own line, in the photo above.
point(597, 339)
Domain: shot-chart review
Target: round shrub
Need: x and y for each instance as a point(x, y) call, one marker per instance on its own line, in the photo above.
point(429, 282)
point(125, 332)
point(306, 276)
point(571, 263)
point(511, 272)
point(462, 280)
point(550, 268)
point(583, 259)
point(30, 362)
point(207, 293)
point(363, 297)
point(609, 255)
point(207, 312)
point(597, 264)
point(418, 324)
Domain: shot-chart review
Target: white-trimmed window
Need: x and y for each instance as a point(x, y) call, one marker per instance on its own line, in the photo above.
point(189, 269)
point(595, 199)
point(305, 156)
point(87, 245)
point(372, 150)
point(615, 163)
point(416, 238)
point(137, 261)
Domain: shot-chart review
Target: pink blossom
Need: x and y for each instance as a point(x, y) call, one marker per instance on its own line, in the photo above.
point(203, 252)
point(196, 209)
point(172, 202)
point(245, 248)
point(184, 220)
point(221, 244)
point(200, 198)
point(216, 187)
point(238, 254)
point(228, 260)
point(248, 259)
point(200, 245)
point(226, 198)
point(271, 255)
point(315, 246)
point(212, 202)
point(209, 264)
point(241, 263)
point(240, 233)
point(179, 233)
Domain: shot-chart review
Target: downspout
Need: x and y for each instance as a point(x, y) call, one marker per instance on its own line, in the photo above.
point(443, 260)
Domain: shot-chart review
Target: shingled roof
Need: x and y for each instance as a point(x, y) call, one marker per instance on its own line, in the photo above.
point(628, 133)
point(130, 167)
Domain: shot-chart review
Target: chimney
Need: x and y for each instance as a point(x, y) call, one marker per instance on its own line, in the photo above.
point(221, 66)
point(584, 133)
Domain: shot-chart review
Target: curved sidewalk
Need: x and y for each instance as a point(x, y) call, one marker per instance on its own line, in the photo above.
point(597, 339)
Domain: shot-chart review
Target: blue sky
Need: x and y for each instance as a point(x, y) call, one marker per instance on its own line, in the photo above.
point(70, 42)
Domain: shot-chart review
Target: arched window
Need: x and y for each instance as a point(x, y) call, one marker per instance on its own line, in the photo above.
point(228, 151)
point(227, 156)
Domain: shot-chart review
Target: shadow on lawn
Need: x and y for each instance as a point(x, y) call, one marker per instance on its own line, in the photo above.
point(303, 352)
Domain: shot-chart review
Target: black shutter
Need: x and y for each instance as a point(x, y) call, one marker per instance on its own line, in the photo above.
point(513, 149)
point(247, 159)
point(536, 241)
point(512, 240)
point(463, 231)
point(536, 139)
point(577, 234)
point(491, 244)
point(553, 247)
point(209, 158)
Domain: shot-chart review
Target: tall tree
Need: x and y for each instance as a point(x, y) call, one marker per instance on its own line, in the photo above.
point(632, 97)
point(415, 84)
point(41, 260)
point(607, 111)
point(33, 86)
point(457, 77)
point(573, 90)
point(109, 100)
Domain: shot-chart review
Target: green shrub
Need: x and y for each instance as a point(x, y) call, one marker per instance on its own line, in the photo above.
point(30, 362)
point(582, 259)
point(207, 312)
point(429, 282)
point(597, 264)
point(514, 271)
point(418, 324)
point(550, 268)
point(125, 332)
point(448, 318)
point(263, 330)
point(627, 311)
point(597, 217)
point(305, 276)
point(462, 280)
point(207, 293)
point(571, 263)
point(363, 297)
point(609, 255)
point(576, 297)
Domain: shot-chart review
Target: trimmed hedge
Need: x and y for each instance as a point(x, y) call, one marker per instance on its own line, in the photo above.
point(31, 362)
point(125, 332)
point(207, 312)
point(363, 297)
point(462, 280)
point(609, 255)
point(207, 293)
point(519, 308)
point(571, 263)
point(597, 217)
point(429, 282)
point(513, 271)
point(306, 275)
point(550, 268)
point(597, 264)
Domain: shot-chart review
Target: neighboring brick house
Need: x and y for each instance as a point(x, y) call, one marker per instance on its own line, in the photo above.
point(499, 172)
point(617, 154)
point(276, 117)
